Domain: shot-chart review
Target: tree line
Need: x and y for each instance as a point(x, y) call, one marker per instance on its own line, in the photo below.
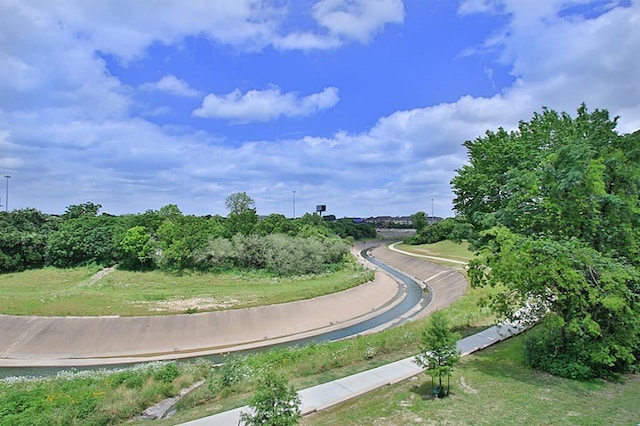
point(169, 240)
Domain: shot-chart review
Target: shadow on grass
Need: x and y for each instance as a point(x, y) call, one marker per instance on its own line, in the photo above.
point(425, 390)
point(505, 360)
point(468, 330)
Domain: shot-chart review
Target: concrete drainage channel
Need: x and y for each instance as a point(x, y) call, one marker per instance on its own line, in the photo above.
point(413, 303)
point(409, 300)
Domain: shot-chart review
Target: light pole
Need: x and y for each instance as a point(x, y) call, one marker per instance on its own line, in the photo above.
point(432, 207)
point(294, 204)
point(6, 195)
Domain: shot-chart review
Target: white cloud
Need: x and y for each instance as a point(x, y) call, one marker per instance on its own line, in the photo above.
point(126, 28)
point(357, 19)
point(68, 134)
point(343, 21)
point(264, 105)
point(172, 85)
point(562, 60)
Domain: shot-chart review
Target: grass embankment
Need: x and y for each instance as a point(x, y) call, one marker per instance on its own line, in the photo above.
point(443, 249)
point(61, 292)
point(493, 387)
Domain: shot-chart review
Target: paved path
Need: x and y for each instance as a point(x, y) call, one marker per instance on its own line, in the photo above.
point(329, 394)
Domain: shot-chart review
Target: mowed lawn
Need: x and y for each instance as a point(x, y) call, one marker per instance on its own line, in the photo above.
point(62, 292)
point(493, 387)
point(445, 249)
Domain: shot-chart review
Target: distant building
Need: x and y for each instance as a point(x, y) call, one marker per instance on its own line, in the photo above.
point(397, 221)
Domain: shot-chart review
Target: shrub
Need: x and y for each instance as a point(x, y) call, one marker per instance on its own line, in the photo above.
point(274, 403)
point(167, 374)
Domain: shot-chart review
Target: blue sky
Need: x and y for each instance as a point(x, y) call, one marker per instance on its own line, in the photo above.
point(362, 105)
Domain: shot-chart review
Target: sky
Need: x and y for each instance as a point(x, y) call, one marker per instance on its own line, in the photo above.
point(360, 105)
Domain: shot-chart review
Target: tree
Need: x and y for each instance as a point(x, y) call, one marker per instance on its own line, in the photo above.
point(454, 229)
point(587, 302)
point(83, 240)
point(240, 203)
point(138, 248)
point(438, 353)
point(274, 403)
point(419, 220)
point(242, 214)
point(555, 207)
point(75, 211)
point(170, 211)
point(23, 239)
point(275, 224)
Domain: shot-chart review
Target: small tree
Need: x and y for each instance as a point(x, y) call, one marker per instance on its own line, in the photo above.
point(439, 352)
point(274, 403)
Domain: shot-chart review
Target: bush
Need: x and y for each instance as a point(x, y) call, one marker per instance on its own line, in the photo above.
point(233, 371)
point(274, 403)
point(167, 374)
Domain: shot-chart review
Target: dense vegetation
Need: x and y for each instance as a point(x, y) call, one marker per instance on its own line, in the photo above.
point(166, 239)
point(554, 208)
point(454, 229)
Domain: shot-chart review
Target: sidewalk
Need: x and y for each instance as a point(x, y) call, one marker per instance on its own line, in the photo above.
point(329, 394)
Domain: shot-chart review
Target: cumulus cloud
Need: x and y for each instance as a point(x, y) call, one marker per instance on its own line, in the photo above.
point(561, 59)
point(264, 105)
point(343, 21)
point(172, 85)
point(357, 19)
point(69, 133)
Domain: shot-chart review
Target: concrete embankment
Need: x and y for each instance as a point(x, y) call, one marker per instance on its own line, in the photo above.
point(80, 341)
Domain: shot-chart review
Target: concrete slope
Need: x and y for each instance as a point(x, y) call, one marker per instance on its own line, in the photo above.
point(76, 341)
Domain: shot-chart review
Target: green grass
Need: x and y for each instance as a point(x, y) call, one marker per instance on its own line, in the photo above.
point(493, 387)
point(61, 292)
point(446, 249)
point(93, 398)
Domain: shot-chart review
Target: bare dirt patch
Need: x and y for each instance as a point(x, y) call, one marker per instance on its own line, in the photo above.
point(194, 303)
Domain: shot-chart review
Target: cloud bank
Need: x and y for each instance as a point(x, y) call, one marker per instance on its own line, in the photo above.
point(75, 100)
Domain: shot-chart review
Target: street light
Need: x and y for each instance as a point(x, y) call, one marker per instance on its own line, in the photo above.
point(6, 195)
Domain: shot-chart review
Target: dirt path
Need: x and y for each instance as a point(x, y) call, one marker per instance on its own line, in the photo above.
point(101, 274)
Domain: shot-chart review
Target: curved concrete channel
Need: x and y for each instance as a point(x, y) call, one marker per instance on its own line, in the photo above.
point(41, 346)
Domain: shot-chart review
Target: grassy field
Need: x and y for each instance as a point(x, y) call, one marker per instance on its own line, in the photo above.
point(493, 387)
point(446, 249)
point(61, 292)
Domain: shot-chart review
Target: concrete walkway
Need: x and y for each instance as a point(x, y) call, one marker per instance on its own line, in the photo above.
point(329, 394)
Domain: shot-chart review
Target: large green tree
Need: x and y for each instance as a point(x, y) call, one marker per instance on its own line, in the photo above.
point(555, 206)
point(242, 214)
